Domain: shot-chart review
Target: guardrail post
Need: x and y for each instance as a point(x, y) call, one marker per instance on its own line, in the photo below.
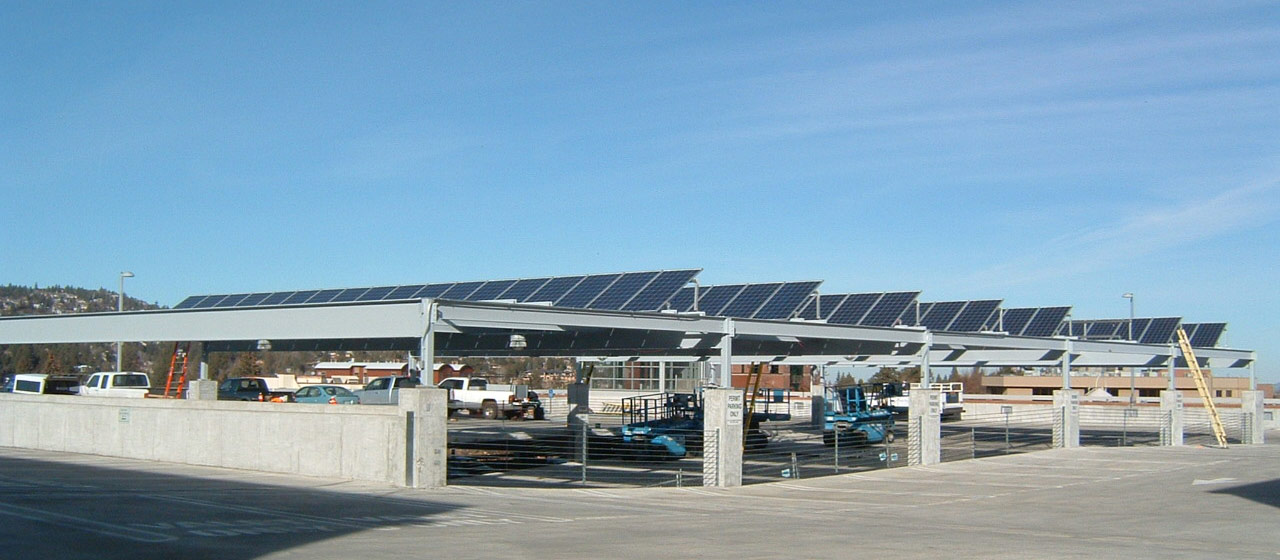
point(426, 414)
point(1066, 428)
point(924, 427)
point(723, 423)
point(1251, 406)
point(1171, 428)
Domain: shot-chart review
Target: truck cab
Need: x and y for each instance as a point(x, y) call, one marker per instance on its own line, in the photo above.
point(120, 384)
point(251, 389)
point(385, 390)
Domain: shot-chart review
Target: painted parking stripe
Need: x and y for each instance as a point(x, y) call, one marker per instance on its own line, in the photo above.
point(72, 522)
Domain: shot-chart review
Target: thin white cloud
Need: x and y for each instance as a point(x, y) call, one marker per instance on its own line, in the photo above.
point(1155, 230)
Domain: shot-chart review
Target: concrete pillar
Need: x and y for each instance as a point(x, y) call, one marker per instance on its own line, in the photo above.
point(426, 414)
point(202, 390)
point(817, 403)
point(1171, 425)
point(1066, 423)
point(723, 413)
point(924, 440)
point(1251, 406)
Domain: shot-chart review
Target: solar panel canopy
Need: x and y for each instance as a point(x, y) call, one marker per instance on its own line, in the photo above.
point(661, 290)
point(631, 291)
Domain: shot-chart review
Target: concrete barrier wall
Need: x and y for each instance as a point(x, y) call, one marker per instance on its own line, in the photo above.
point(352, 442)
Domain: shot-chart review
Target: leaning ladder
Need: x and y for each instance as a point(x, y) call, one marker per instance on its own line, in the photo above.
point(177, 366)
point(1190, 355)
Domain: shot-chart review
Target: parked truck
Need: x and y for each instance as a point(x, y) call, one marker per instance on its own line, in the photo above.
point(385, 390)
point(897, 398)
point(125, 384)
point(253, 389)
point(477, 397)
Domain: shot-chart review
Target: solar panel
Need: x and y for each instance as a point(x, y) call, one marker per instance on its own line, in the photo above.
point(714, 298)
point(975, 316)
point(404, 292)
point(433, 290)
point(323, 296)
point(276, 298)
point(349, 294)
point(254, 299)
point(941, 314)
point(232, 300)
point(890, 307)
point(661, 290)
point(587, 290)
point(459, 291)
point(1139, 327)
point(1014, 320)
point(1161, 330)
point(522, 289)
point(490, 290)
point(377, 294)
point(822, 306)
point(622, 290)
point(683, 300)
point(555, 289)
point(1046, 321)
point(787, 300)
point(1207, 335)
point(854, 308)
point(189, 302)
point(749, 300)
point(299, 297)
point(915, 313)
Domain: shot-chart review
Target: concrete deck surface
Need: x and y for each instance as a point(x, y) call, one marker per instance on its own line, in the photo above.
point(1144, 502)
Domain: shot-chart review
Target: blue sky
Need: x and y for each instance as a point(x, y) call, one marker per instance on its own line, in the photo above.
point(1041, 153)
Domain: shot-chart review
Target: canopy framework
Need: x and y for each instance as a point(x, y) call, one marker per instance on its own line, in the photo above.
point(462, 328)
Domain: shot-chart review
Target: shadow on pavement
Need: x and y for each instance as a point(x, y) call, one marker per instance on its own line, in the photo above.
point(66, 510)
point(1266, 492)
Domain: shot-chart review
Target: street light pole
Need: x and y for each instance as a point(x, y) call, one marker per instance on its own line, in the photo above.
point(1133, 397)
point(120, 308)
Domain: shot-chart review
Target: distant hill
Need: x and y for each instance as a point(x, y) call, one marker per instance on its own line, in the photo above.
point(68, 358)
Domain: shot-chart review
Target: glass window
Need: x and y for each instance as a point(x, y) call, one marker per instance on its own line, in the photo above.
point(102, 381)
point(306, 392)
point(451, 384)
point(378, 384)
point(130, 380)
point(479, 384)
point(29, 386)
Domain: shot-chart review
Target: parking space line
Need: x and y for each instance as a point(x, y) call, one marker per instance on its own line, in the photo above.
point(63, 520)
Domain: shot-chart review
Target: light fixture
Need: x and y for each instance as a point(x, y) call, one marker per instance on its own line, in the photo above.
point(517, 342)
point(264, 345)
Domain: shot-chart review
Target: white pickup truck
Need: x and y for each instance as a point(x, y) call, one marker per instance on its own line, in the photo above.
point(476, 396)
point(127, 384)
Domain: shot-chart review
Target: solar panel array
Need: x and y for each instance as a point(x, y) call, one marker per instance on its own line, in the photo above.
point(952, 316)
point(1028, 321)
point(667, 289)
point(872, 309)
point(631, 291)
point(776, 300)
point(1204, 335)
point(1146, 330)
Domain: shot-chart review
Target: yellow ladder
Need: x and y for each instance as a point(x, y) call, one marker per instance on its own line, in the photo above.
point(1190, 355)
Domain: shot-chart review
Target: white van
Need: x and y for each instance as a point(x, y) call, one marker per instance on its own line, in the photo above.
point(127, 384)
point(41, 384)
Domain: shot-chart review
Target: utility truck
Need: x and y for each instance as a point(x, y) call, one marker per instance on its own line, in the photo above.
point(851, 419)
point(476, 396)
